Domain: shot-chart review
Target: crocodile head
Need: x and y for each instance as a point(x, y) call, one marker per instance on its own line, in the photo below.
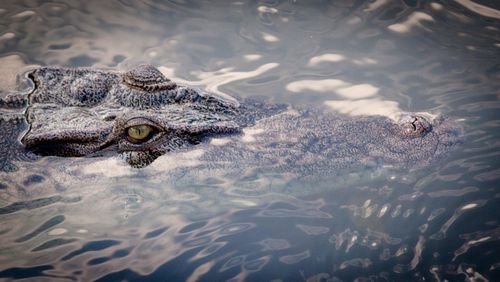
point(140, 114)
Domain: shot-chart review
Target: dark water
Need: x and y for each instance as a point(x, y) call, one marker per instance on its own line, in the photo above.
point(98, 219)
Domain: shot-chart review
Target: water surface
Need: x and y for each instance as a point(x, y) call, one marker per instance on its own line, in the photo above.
point(98, 219)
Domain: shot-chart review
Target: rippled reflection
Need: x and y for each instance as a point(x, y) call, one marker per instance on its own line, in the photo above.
point(99, 219)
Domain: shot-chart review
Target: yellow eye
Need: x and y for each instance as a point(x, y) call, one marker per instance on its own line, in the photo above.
point(139, 132)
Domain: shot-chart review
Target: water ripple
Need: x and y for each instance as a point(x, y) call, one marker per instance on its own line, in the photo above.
point(95, 219)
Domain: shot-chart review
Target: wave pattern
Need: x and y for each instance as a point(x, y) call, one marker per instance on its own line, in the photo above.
point(96, 219)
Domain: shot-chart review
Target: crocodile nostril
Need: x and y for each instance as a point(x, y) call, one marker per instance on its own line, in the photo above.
point(417, 126)
point(414, 125)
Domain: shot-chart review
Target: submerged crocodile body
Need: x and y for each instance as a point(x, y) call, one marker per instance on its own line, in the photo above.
point(141, 115)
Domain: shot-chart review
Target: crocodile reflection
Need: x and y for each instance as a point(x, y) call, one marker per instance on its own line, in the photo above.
point(141, 115)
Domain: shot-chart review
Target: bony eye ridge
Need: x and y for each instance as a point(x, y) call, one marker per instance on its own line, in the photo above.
point(139, 133)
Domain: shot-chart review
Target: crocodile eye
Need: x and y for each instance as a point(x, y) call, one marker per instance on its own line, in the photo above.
point(139, 133)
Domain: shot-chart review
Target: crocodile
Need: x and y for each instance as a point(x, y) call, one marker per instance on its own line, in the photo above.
point(140, 115)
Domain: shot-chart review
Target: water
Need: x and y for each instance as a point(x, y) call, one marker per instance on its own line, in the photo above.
point(98, 219)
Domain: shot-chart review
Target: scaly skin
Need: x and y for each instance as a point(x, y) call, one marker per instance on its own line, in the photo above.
point(88, 112)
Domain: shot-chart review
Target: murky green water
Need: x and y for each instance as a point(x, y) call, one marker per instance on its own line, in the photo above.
point(99, 219)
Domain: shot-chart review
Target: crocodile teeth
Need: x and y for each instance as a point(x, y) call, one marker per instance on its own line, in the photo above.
point(147, 78)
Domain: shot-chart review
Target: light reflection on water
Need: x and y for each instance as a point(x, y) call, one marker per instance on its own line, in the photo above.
point(98, 218)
